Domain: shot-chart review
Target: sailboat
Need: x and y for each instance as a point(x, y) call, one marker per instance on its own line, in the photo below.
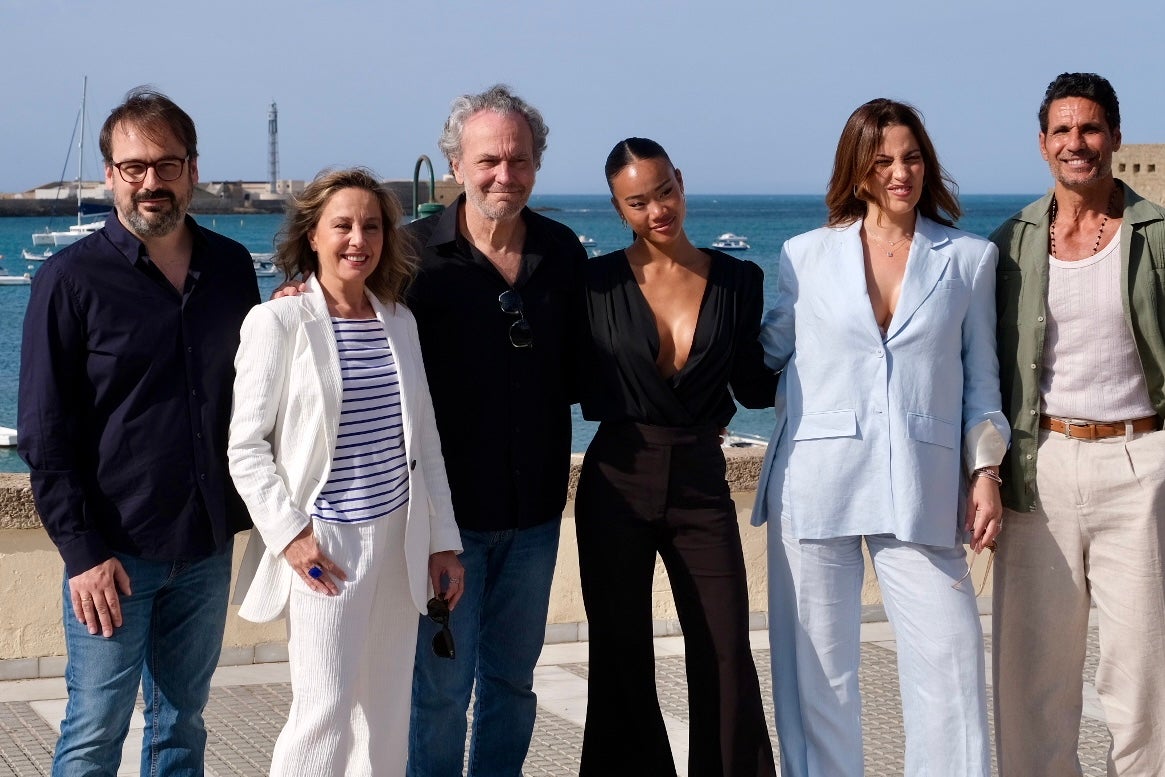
point(75, 232)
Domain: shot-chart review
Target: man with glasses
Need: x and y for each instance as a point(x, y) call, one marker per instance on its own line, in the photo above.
point(125, 394)
point(493, 305)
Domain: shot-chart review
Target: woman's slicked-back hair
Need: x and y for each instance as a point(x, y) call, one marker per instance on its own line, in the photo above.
point(857, 148)
point(628, 152)
point(295, 257)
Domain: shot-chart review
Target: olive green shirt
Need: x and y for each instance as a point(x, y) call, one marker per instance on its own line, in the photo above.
point(1021, 292)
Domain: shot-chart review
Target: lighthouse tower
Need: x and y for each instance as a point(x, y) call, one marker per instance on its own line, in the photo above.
point(273, 148)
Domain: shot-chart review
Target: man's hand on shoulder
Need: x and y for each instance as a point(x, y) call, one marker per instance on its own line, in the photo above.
point(95, 596)
point(291, 288)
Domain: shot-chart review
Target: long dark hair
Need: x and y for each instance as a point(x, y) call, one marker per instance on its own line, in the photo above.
point(854, 161)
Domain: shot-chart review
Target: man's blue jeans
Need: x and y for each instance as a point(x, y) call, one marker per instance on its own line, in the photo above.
point(169, 643)
point(498, 627)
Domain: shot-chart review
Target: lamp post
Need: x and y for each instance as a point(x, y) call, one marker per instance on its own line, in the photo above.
point(420, 210)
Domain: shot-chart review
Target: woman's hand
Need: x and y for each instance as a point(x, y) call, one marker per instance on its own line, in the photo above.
point(304, 555)
point(984, 513)
point(445, 565)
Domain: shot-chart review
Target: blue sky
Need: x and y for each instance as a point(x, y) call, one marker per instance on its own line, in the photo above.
point(748, 97)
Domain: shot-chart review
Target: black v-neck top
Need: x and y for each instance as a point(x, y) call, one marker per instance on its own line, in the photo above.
point(621, 381)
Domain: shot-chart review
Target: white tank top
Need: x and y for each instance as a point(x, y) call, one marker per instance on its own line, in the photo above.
point(1091, 368)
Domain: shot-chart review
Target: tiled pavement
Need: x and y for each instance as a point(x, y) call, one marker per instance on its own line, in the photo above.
point(249, 704)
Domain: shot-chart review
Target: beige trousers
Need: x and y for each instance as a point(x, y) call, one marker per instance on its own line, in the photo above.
point(1097, 537)
point(351, 659)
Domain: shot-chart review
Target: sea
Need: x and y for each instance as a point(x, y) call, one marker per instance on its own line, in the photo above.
point(765, 220)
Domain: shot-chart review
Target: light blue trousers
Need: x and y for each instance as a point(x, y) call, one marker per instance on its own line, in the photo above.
point(815, 619)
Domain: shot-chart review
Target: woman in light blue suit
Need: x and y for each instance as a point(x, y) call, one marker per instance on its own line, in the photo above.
point(888, 430)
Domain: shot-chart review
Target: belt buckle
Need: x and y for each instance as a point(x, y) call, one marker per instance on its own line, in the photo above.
point(1083, 425)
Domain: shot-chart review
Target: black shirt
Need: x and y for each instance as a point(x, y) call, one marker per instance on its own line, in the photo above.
point(503, 412)
point(125, 397)
point(622, 381)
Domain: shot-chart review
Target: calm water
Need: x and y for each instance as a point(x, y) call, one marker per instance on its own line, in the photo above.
point(767, 221)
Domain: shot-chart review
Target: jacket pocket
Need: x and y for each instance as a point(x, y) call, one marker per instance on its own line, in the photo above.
point(828, 423)
point(935, 431)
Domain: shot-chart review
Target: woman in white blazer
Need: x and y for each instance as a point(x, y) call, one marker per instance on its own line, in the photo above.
point(888, 430)
point(334, 449)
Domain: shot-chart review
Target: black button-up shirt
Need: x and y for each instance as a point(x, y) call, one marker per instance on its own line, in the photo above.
point(503, 412)
point(125, 397)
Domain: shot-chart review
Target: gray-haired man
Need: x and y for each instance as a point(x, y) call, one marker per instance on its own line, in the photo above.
point(492, 300)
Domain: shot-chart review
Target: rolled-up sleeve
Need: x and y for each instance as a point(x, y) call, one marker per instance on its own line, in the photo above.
point(986, 433)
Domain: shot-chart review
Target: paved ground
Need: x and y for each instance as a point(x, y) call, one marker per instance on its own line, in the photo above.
point(249, 705)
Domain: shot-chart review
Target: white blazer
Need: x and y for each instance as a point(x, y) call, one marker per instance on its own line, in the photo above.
point(284, 420)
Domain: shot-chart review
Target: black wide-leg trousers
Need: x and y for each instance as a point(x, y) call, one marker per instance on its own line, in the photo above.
point(648, 490)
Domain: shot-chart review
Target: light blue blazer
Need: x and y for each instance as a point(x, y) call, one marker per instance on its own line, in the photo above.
point(871, 428)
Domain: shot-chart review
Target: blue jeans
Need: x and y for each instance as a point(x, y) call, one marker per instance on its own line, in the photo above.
point(169, 643)
point(498, 627)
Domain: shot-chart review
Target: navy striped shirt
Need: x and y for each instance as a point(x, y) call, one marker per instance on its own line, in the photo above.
point(370, 474)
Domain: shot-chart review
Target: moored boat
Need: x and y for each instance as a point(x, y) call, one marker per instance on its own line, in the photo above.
point(62, 238)
point(730, 242)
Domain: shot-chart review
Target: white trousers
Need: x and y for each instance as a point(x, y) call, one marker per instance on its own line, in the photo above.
point(1097, 536)
point(351, 659)
point(940, 656)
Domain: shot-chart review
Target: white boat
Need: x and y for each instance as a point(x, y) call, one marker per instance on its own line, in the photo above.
point(33, 256)
point(586, 241)
point(62, 238)
point(730, 242)
point(743, 440)
point(8, 279)
point(264, 266)
point(7, 437)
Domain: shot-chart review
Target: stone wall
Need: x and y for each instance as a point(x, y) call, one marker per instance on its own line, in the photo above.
point(1142, 166)
point(32, 640)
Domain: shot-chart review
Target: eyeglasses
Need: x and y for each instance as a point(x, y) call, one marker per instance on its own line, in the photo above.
point(986, 572)
point(167, 169)
point(443, 640)
point(520, 334)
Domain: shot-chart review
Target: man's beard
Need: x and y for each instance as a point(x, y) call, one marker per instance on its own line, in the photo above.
point(157, 223)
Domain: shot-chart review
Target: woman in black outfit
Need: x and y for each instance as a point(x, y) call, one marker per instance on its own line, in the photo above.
point(671, 328)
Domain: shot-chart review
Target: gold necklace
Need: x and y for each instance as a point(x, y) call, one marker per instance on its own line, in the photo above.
point(1052, 229)
point(890, 246)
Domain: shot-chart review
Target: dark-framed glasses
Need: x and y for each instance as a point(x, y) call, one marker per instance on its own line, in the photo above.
point(167, 169)
point(511, 304)
point(443, 640)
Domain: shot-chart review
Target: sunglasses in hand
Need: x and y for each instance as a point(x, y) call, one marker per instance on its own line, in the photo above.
point(443, 639)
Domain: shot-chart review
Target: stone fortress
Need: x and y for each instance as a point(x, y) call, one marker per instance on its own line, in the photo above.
point(1142, 166)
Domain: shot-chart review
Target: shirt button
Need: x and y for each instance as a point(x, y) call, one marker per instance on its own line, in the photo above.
point(194, 392)
point(202, 476)
point(189, 349)
point(880, 353)
point(1033, 366)
point(1035, 412)
point(1029, 457)
point(1039, 318)
point(198, 435)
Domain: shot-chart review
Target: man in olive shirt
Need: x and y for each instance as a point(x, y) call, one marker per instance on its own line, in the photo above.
point(1082, 364)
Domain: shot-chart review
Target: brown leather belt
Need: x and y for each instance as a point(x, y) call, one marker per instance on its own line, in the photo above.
point(1086, 430)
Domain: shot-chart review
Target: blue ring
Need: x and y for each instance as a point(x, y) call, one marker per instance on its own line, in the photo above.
point(316, 573)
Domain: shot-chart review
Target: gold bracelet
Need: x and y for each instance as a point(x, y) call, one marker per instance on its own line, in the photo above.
point(988, 473)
